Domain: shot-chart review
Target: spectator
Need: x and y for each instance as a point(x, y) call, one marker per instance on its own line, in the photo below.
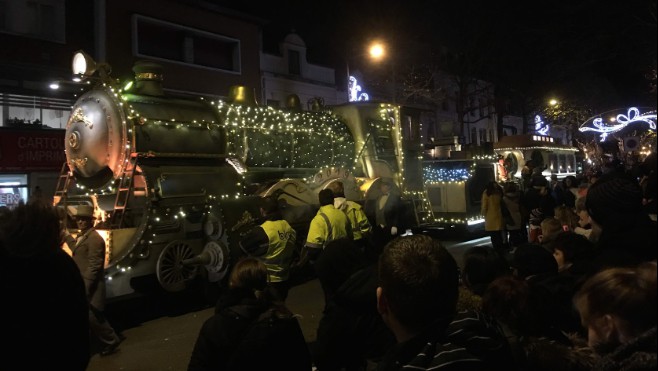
point(481, 266)
point(274, 242)
point(535, 343)
point(517, 229)
point(567, 217)
point(584, 226)
point(492, 197)
point(249, 331)
point(550, 227)
point(417, 298)
point(571, 188)
point(88, 251)
point(628, 236)
point(350, 331)
point(44, 315)
point(618, 308)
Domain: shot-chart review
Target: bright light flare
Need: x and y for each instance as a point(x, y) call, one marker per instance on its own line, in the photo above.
point(377, 51)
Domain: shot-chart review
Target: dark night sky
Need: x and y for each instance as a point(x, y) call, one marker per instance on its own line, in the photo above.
point(582, 49)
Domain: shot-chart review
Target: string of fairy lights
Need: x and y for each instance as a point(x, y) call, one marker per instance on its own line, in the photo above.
point(265, 137)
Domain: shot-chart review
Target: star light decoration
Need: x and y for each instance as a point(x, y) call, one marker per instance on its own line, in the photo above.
point(632, 116)
point(540, 127)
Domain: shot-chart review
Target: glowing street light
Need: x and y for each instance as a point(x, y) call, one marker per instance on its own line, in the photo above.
point(553, 102)
point(377, 51)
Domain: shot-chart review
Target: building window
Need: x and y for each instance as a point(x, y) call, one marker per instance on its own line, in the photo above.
point(176, 43)
point(31, 111)
point(293, 62)
point(482, 104)
point(13, 189)
point(474, 136)
point(41, 19)
point(483, 135)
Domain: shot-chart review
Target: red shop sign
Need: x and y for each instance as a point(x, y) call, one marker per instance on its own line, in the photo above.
point(22, 150)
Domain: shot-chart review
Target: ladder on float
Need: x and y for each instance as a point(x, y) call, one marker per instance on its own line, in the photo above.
point(423, 206)
point(124, 189)
point(62, 184)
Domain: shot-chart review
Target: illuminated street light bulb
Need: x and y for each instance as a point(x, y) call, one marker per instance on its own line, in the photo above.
point(377, 51)
point(552, 102)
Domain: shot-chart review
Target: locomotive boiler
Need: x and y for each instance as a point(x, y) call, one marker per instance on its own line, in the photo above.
point(175, 181)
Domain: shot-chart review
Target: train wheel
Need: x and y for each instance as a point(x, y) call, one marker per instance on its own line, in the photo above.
point(172, 275)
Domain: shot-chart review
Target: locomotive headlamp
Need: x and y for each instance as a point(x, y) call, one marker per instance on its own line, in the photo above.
point(83, 64)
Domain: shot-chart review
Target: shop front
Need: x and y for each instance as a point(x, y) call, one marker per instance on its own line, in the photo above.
point(30, 163)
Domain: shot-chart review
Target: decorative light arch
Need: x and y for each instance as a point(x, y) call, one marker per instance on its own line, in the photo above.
point(618, 122)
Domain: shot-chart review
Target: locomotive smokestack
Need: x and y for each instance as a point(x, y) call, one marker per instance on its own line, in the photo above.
point(242, 95)
point(148, 78)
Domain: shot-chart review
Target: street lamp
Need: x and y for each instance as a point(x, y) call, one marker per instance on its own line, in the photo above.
point(553, 102)
point(377, 52)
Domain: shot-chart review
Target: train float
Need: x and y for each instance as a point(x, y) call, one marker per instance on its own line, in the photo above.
point(175, 180)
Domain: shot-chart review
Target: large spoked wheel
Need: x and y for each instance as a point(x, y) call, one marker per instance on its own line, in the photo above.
point(173, 276)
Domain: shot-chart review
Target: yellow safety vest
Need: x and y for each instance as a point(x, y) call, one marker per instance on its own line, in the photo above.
point(357, 218)
point(281, 239)
point(328, 224)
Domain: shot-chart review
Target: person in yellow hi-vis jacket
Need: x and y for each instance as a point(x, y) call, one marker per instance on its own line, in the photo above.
point(328, 224)
point(274, 244)
point(361, 227)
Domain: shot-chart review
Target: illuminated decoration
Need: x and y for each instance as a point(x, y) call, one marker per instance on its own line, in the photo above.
point(354, 90)
point(438, 175)
point(540, 127)
point(623, 120)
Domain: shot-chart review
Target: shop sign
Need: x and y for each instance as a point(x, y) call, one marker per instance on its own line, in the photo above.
point(24, 150)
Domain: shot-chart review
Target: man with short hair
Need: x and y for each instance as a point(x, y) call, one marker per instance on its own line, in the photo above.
point(328, 224)
point(88, 252)
point(417, 299)
point(274, 243)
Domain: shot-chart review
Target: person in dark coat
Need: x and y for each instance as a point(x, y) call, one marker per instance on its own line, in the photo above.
point(627, 234)
point(249, 331)
point(350, 332)
point(88, 251)
point(44, 312)
point(384, 213)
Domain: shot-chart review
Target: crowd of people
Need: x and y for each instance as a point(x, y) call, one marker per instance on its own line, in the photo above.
point(568, 283)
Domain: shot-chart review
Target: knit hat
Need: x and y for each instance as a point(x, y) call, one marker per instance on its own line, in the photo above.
point(613, 200)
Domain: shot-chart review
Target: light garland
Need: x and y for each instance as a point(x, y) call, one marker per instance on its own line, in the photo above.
point(632, 116)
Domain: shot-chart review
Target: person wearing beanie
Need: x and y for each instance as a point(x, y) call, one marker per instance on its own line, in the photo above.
point(628, 235)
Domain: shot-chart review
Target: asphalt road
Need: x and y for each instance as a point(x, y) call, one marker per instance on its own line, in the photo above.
point(160, 333)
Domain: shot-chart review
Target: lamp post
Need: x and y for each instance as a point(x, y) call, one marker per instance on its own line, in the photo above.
point(378, 52)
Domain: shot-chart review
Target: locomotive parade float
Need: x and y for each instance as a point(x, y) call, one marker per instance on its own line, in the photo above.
point(175, 181)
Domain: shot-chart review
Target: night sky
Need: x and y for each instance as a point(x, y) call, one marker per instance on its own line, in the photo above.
point(593, 51)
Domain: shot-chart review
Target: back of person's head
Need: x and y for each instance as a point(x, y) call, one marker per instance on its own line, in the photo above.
point(270, 207)
point(493, 188)
point(419, 280)
point(326, 197)
point(339, 260)
point(511, 187)
point(481, 266)
point(249, 273)
point(507, 299)
point(549, 228)
point(581, 204)
point(532, 259)
point(574, 246)
point(566, 216)
point(337, 188)
point(621, 298)
point(30, 230)
point(570, 181)
point(615, 202)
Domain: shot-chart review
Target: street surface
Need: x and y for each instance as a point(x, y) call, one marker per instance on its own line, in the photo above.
point(160, 335)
